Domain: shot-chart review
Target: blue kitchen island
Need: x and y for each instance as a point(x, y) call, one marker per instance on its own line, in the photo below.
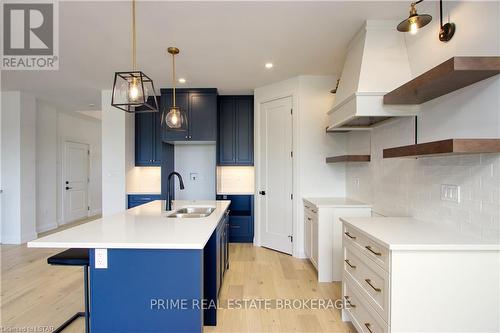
point(150, 272)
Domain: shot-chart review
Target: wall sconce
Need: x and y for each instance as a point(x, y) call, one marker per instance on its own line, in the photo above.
point(416, 21)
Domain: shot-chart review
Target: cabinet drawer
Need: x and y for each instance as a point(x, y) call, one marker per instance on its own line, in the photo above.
point(372, 249)
point(239, 225)
point(363, 317)
point(371, 278)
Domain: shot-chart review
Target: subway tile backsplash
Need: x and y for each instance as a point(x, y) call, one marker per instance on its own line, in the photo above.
point(412, 187)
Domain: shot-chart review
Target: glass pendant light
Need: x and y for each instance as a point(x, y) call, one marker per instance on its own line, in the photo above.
point(134, 91)
point(173, 116)
point(415, 21)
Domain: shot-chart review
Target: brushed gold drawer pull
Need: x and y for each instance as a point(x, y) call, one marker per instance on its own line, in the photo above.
point(369, 248)
point(309, 219)
point(371, 285)
point(349, 263)
point(368, 325)
point(349, 235)
point(348, 302)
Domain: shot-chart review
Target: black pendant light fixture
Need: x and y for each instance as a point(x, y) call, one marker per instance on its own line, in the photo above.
point(416, 21)
point(134, 91)
point(174, 117)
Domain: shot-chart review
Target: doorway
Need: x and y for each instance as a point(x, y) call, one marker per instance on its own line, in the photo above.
point(75, 181)
point(276, 175)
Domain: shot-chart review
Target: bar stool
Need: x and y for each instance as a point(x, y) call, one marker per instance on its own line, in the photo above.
point(75, 257)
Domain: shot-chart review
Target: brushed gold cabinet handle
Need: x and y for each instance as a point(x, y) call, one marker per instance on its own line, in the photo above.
point(368, 325)
point(348, 302)
point(349, 235)
point(349, 263)
point(371, 285)
point(369, 248)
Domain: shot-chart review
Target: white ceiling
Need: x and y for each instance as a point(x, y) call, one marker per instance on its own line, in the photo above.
point(223, 44)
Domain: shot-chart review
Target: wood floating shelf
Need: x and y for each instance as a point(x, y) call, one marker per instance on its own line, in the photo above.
point(445, 147)
point(348, 158)
point(451, 75)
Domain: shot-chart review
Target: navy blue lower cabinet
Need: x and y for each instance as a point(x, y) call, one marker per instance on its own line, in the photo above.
point(142, 290)
point(135, 200)
point(241, 218)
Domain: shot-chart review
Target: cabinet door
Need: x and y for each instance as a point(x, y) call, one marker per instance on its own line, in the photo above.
point(218, 259)
point(307, 236)
point(226, 140)
point(314, 241)
point(157, 140)
point(244, 131)
point(202, 117)
point(144, 136)
point(182, 101)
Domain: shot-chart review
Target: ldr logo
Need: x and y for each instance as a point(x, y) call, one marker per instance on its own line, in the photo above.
point(28, 29)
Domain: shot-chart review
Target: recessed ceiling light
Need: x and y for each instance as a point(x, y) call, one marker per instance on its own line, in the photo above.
point(182, 80)
point(269, 65)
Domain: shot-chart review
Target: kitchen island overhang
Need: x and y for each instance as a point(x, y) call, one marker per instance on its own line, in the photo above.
point(165, 282)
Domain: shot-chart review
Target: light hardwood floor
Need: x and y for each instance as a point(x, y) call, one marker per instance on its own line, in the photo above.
point(36, 294)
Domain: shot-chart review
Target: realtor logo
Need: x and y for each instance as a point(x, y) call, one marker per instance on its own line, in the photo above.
point(30, 38)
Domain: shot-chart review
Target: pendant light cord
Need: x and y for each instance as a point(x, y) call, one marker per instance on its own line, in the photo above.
point(134, 66)
point(173, 76)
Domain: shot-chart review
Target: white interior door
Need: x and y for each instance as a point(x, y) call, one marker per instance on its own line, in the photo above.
point(75, 181)
point(276, 175)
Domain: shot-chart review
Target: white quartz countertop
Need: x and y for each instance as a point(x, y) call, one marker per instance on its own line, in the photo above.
point(405, 233)
point(336, 202)
point(142, 227)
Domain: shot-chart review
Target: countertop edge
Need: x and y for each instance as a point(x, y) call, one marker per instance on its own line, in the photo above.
point(428, 247)
point(354, 205)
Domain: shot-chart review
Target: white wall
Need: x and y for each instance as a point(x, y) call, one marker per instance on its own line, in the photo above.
point(411, 187)
point(116, 125)
point(312, 176)
point(18, 167)
point(47, 167)
point(54, 128)
point(195, 159)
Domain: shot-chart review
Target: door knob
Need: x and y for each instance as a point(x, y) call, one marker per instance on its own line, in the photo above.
point(262, 192)
point(68, 188)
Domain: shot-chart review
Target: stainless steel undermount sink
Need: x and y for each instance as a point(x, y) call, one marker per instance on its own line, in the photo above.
point(192, 212)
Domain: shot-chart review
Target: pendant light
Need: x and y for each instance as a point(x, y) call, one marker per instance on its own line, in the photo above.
point(414, 21)
point(134, 91)
point(174, 117)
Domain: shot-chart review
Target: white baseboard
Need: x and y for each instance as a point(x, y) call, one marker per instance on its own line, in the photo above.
point(29, 237)
point(95, 212)
point(11, 240)
point(46, 227)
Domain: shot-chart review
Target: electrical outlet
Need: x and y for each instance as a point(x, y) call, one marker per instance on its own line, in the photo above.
point(356, 182)
point(101, 258)
point(193, 176)
point(450, 193)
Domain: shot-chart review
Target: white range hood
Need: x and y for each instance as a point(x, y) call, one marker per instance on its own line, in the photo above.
point(376, 63)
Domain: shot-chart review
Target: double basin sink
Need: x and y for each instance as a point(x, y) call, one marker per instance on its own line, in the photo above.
point(192, 212)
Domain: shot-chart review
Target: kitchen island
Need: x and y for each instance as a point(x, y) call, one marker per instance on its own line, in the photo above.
point(152, 273)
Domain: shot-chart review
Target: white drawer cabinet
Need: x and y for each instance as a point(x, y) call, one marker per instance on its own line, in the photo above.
point(403, 275)
point(323, 233)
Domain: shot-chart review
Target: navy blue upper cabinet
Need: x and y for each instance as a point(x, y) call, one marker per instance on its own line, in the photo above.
point(201, 108)
point(235, 137)
point(148, 139)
